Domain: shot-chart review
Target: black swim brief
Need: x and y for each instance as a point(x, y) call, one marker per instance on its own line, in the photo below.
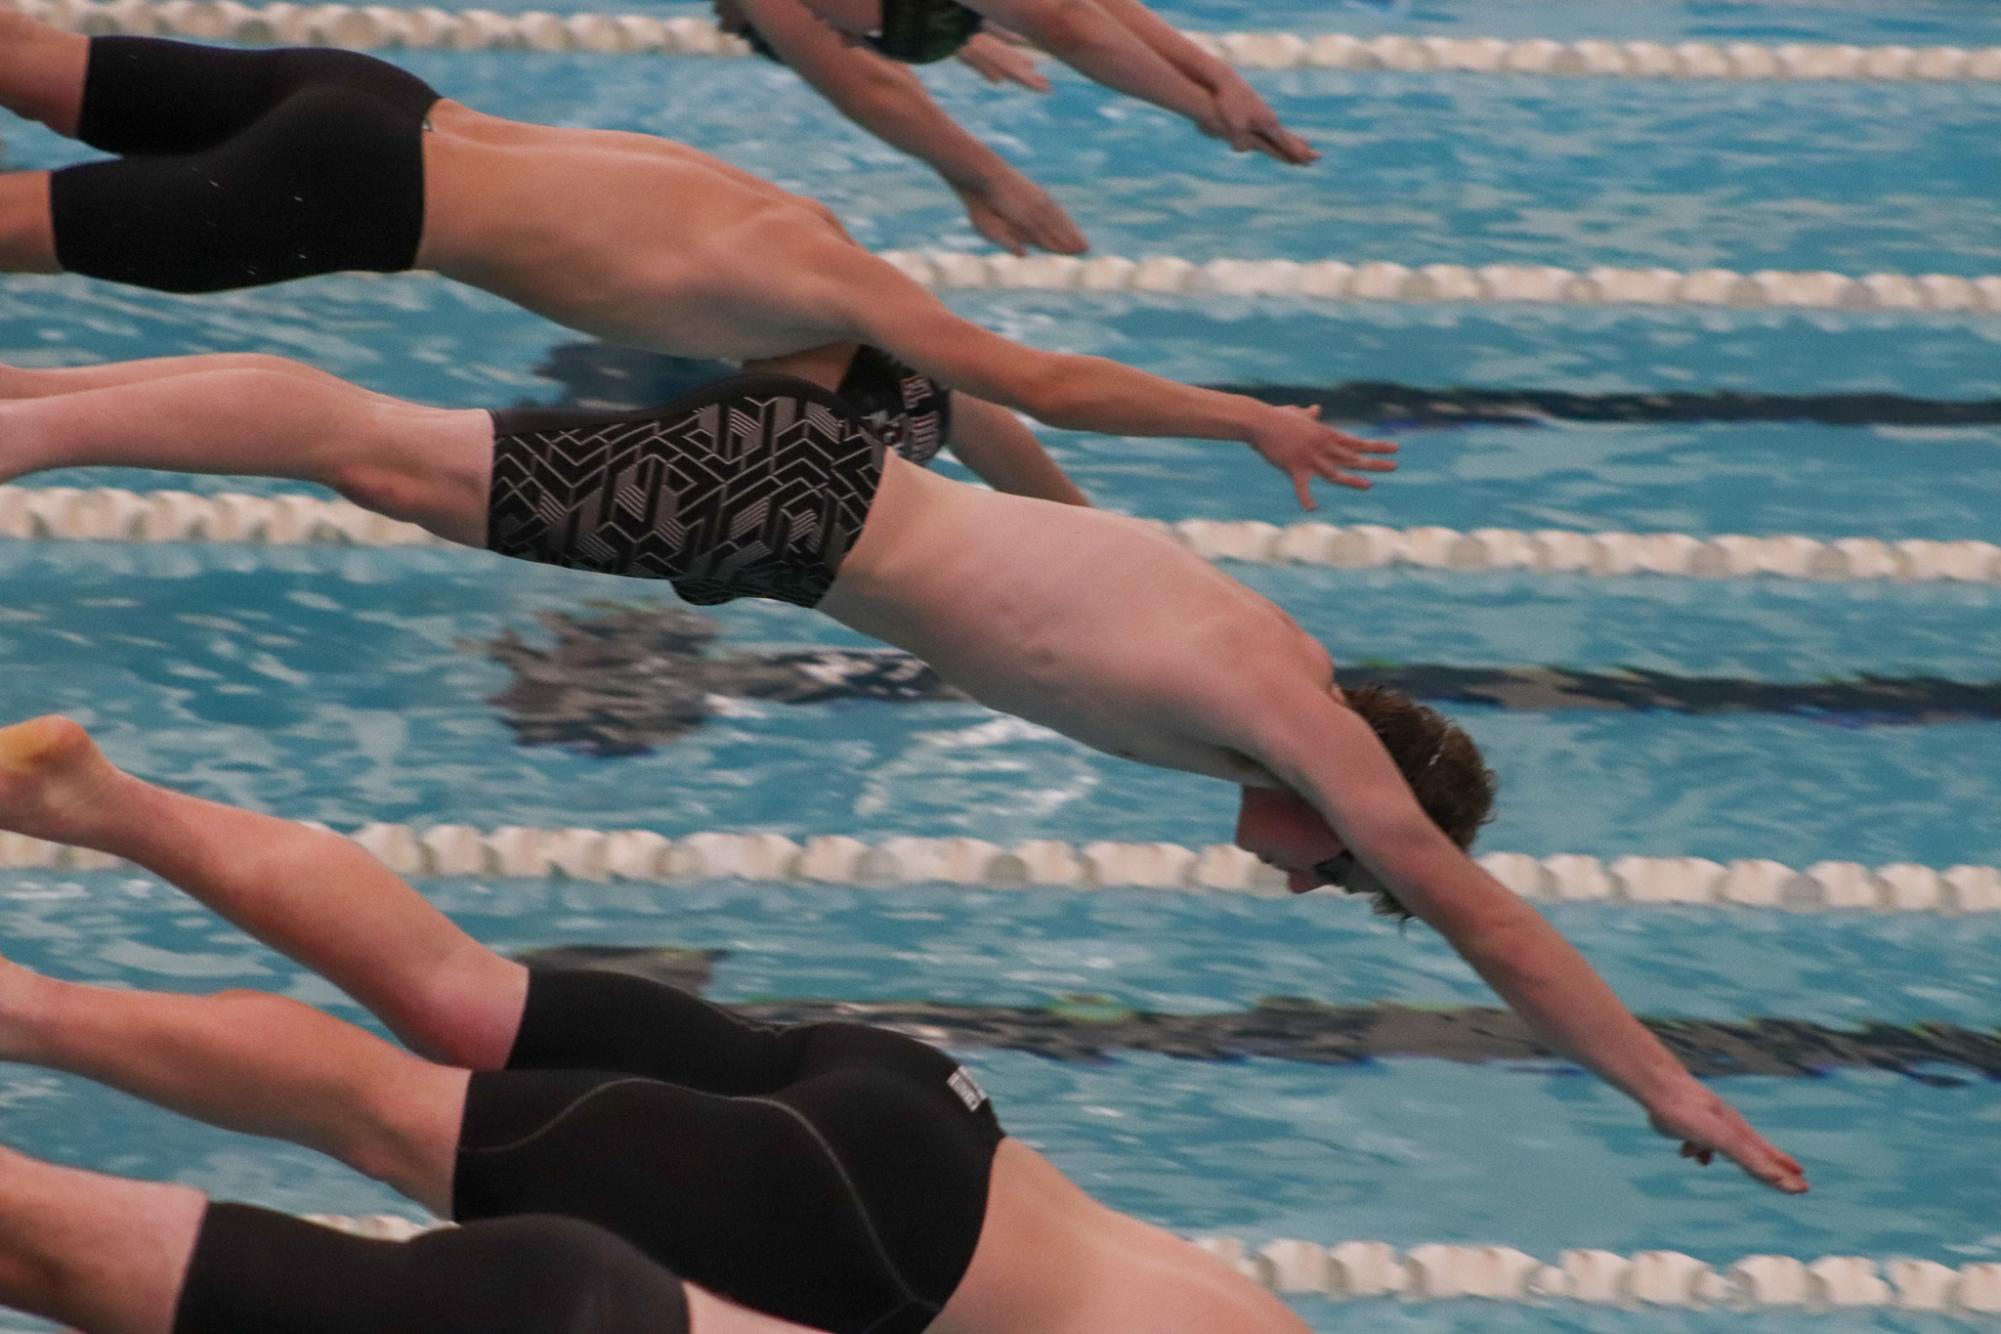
point(830, 1174)
point(909, 411)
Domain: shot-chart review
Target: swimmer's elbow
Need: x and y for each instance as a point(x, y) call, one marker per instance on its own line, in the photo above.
point(872, 92)
point(1060, 391)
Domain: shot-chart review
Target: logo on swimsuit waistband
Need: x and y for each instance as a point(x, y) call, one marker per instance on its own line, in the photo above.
point(968, 1089)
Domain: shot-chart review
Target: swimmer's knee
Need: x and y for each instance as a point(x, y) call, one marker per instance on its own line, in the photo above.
point(400, 1128)
point(376, 1140)
point(428, 466)
point(467, 1010)
point(27, 229)
point(386, 487)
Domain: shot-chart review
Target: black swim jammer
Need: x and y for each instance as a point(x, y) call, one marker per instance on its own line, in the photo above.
point(830, 1174)
point(258, 1272)
point(753, 486)
point(241, 168)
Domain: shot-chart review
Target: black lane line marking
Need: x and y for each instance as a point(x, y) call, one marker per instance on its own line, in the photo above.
point(1092, 1028)
point(600, 375)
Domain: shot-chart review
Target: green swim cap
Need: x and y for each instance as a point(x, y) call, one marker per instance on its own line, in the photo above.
point(918, 32)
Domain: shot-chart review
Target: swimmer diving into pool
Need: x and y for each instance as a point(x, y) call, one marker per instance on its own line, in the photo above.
point(255, 167)
point(110, 1255)
point(1092, 624)
point(837, 1176)
point(1117, 42)
point(884, 97)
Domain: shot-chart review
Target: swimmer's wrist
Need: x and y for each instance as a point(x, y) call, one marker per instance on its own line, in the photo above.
point(1662, 1083)
point(976, 171)
point(1254, 419)
point(1214, 75)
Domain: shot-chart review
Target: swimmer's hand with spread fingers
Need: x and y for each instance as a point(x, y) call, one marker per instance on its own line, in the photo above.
point(1294, 441)
point(1018, 215)
point(1706, 1125)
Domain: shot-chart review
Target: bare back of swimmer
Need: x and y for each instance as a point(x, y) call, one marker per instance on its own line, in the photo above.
point(620, 235)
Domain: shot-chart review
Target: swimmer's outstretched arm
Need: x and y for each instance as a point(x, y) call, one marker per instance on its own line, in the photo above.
point(995, 444)
point(860, 297)
point(1245, 120)
point(1092, 42)
point(1121, 44)
point(891, 103)
point(1327, 754)
point(102, 1254)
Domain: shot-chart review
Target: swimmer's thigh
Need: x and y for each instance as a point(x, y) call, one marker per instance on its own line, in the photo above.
point(331, 180)
point(591, 1019)
point(258, 1272)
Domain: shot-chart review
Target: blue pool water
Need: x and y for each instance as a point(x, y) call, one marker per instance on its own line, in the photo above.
point(356, 686)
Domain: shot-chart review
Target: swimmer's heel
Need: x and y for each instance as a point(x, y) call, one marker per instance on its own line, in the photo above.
point(41, 743)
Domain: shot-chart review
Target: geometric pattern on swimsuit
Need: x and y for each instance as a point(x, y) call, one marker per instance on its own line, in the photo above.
point(755, 486)
point(908, 410)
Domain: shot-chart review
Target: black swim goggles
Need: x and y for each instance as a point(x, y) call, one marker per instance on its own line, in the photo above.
point(1335, 870)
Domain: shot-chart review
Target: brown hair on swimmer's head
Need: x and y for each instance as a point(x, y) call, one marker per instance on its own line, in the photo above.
point(1444, 767)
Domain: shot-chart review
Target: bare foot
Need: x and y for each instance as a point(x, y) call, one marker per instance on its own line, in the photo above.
point(53, 778)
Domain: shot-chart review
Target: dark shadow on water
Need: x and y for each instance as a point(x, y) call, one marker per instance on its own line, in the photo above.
point(1094, 1028)
point(623, 680)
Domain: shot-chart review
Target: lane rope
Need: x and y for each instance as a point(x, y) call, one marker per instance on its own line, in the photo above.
point(644, 856)
point(1376, 280)
point(1359, 1270)
point(109, 514)
point(1385, 281)
point(365, 27)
